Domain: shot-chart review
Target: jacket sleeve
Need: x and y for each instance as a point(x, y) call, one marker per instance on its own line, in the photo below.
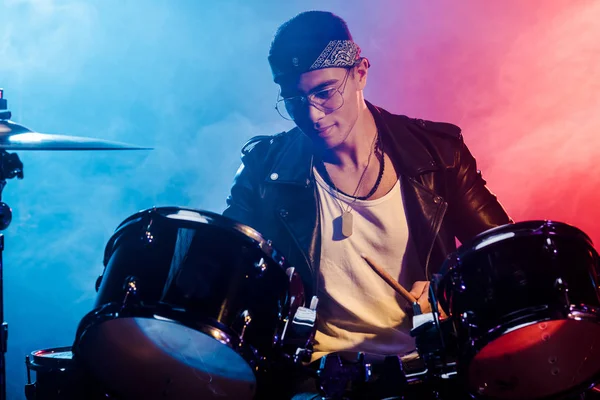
point(476, 208)
point(244, 194)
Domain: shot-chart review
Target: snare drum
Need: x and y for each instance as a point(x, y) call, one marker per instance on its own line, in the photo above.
point(190, 305)
point(58, 377)
point(525, 303)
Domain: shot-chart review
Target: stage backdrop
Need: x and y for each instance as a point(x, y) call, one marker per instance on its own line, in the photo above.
point(190, 78)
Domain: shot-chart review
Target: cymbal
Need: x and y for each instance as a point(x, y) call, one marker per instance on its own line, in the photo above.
point(17, 137)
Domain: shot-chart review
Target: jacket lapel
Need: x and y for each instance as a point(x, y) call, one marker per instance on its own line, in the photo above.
point(297, 205)
point(424, 208)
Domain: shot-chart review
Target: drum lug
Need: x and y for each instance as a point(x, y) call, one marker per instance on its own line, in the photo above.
point(550, 247)
point(130, 287)
point(466, 319)
point(261, 266)
point(246, 320)
point(455, 275)
point(368, 372)
point(561, 286)
point(457, 282)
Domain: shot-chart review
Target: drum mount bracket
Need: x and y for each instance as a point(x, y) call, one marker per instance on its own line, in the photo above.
point(10, 167)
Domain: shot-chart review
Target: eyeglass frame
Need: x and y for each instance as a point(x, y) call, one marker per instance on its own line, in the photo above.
point(305, 99)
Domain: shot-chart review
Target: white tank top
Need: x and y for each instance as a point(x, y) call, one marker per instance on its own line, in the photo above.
point(357, 310)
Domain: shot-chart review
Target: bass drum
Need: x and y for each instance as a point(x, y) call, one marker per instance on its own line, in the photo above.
point(190, 305)
point(525, 303)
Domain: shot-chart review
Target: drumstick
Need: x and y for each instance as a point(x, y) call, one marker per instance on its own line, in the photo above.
point(389, 280)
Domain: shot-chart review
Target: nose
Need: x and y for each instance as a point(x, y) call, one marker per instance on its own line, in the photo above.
point(314, 114)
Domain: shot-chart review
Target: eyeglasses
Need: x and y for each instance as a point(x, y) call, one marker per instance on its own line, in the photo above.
point(326, 100)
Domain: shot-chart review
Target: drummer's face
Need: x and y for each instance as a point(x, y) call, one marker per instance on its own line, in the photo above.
point(324, 103)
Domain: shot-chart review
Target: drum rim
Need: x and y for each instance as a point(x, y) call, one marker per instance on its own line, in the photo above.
point(521, 229)
point(579, 312)
point(537, 315)
point(578, 389)
point(168, 314)
point(453, 262)
point(38, 361)
point(218, 220)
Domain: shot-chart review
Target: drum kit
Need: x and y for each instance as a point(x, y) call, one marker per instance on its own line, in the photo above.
point(193, 305)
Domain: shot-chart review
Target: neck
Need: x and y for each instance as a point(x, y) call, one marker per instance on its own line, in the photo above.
point(355, 150)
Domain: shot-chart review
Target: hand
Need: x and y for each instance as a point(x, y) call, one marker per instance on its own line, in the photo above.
point(420, 291)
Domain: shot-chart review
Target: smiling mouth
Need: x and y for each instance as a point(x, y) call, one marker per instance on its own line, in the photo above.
point(324, 130)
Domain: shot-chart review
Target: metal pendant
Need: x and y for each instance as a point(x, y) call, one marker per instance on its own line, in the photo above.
point(347, 224)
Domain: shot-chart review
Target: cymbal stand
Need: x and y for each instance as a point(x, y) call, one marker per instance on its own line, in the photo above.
point(10, 167)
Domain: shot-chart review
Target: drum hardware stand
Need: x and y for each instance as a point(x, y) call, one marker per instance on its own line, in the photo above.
point(297, 336)
point(335, 375)
point(29, 387)
point(430, 342)
point(298, 331)
point(436, 319)
point(10, 167)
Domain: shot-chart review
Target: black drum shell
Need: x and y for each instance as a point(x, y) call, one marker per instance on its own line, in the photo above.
point(206, 264)
point(521, 279)
point(190, 304)
point(520, 266)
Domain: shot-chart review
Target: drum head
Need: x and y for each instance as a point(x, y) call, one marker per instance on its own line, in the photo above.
point(537, 361)
point(52, 359)
point(154, 358)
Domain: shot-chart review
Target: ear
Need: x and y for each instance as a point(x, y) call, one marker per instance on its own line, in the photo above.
point(362, 71)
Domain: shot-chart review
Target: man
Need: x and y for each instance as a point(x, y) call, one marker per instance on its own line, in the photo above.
point(352, 179)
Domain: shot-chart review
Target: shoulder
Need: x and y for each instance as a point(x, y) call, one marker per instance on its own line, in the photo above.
point(441, 141)
point(432, 130)
point(263, 144)
point(443, 130)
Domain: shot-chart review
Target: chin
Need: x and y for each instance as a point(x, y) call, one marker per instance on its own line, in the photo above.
point(326, 143)
point(332, 139)
point(331, 143)
point(338, 138)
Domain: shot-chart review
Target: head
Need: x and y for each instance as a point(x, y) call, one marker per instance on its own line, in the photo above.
point(320, 74)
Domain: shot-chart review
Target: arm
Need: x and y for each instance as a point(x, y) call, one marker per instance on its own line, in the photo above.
point(476, 209)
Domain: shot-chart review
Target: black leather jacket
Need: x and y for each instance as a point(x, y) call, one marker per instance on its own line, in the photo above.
point(445, 196)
